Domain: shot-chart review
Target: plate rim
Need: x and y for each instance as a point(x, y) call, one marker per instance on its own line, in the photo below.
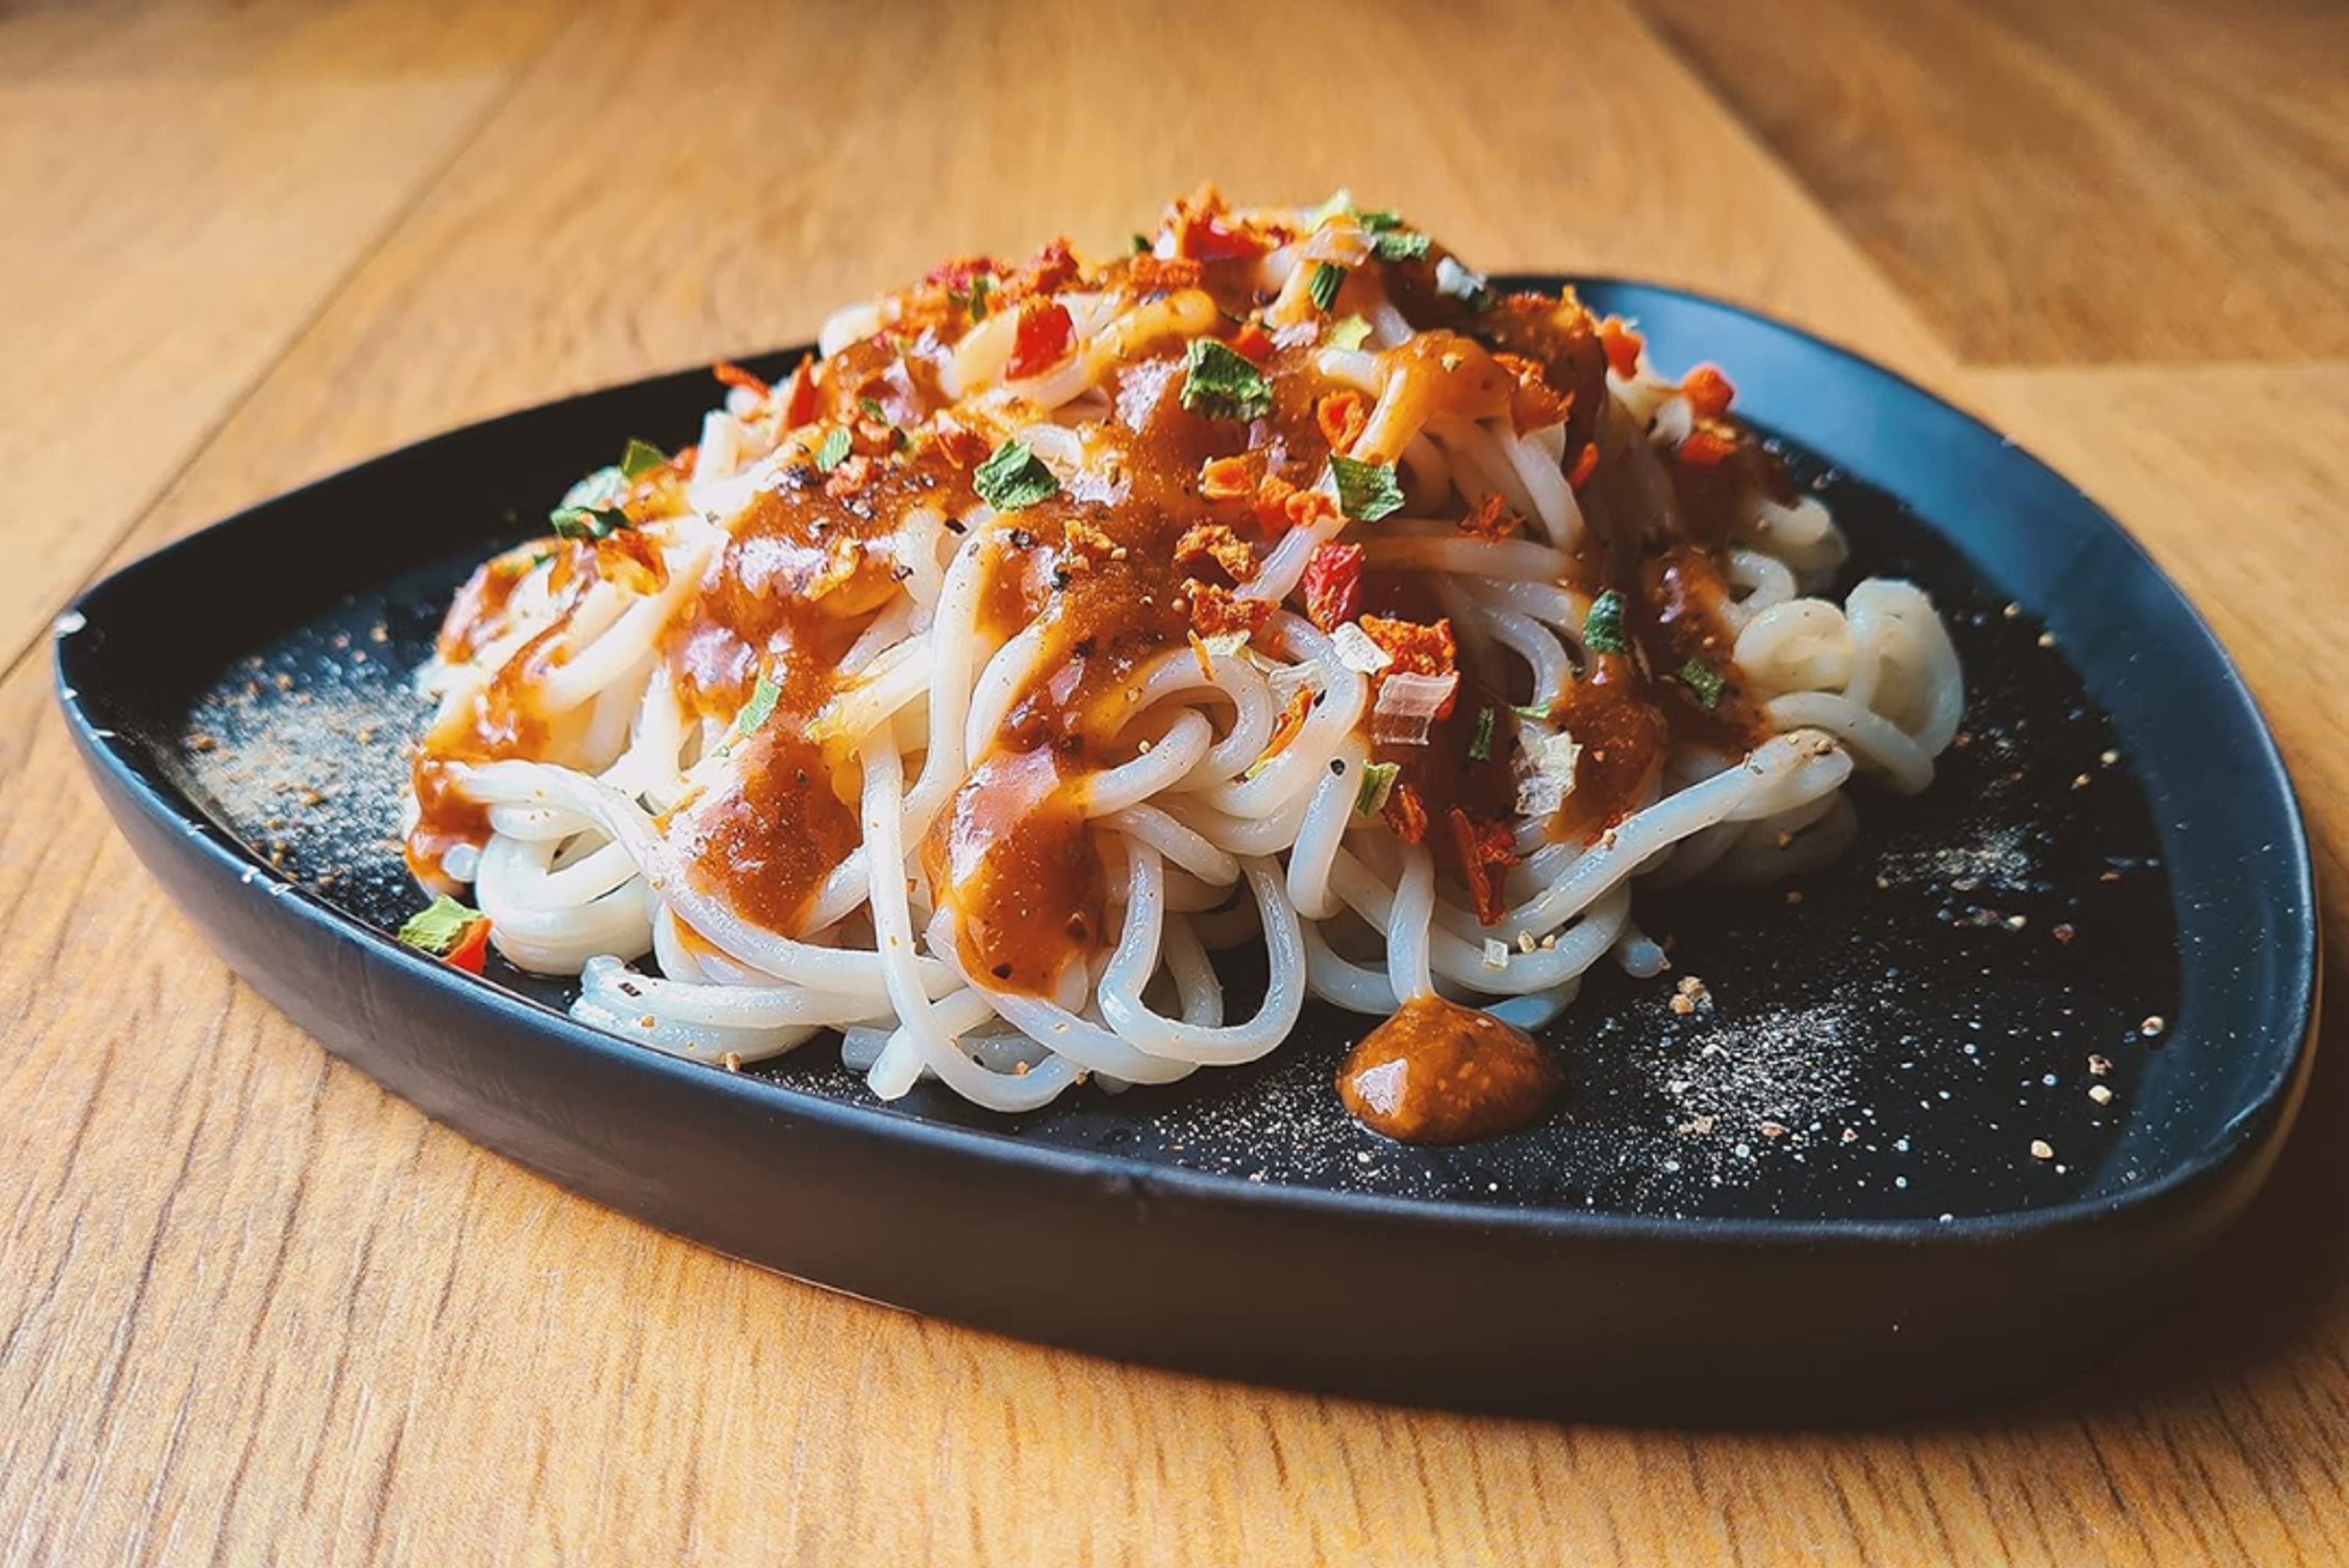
point(2260, 1124)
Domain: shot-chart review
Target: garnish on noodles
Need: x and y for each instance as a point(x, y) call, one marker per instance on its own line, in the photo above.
point(1281, 582)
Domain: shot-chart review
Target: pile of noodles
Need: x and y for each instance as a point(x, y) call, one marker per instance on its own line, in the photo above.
point(1207, 840)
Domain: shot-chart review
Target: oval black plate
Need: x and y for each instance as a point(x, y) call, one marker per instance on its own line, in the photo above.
point(1816, 1194)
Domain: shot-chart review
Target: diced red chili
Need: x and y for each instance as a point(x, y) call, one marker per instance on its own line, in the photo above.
point(473, 948)
point(1333, 586)
point(1044, 338)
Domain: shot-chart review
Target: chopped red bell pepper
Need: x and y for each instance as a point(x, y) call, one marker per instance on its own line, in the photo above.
point(469, 953)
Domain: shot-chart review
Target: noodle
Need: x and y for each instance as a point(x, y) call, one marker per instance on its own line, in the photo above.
point(1280, 585)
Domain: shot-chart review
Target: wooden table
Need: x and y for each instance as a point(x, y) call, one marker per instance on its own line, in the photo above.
point(252, 1308)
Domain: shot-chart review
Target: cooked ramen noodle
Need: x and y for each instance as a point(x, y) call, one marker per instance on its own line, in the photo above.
point(1281, 583)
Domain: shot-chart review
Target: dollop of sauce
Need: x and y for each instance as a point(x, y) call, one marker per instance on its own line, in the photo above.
point(1437, 1072)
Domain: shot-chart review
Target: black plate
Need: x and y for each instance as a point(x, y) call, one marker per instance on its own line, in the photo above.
point(1816, 1194)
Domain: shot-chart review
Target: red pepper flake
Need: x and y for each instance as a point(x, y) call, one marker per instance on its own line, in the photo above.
point(730, 374)
point(1054, 268)
point(1150, 274)
point(1206, 237)
point(1045, 337)
point(1252, 342)
point(798, 402)
point(1487, 853)
point(1230, 478)
point(1343, 417)
point(1306, 508)
point(1416, 649)
point(1217, 611)
point(1584, 466)
point(1215, 541)
point(1535, 405)
point(1272, 494)
point(1707, 391)
point(1492, 519)
point(964, 448)
point(1333, 586)
point(1622, 346)
point(1281, 506)
point(1406, 813)
point(1706, 449)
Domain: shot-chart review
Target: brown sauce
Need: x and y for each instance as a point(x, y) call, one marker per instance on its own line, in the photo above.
point(1440, 1073)
point(767, 846)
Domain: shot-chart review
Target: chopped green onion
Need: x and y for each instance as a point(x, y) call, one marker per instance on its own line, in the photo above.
point(1480, 748)
point(981, 285)
point(641, 458)
point(1219, 384)
point(834, 450)
point(1328, 278)
point(1536, 712)
point(873, 409)
point(1350, 332)
point(1602, 629)
point(1377, 777)
point(1705, 682)
point(438, 928)
point(757, 711)
point(1399, 244)
point(1366, 491)
point(588, 521)
point(1142, 245)
point(604, 488)
point(1014, 478)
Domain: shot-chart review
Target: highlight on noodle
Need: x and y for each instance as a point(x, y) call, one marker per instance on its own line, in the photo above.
point(1279, 583)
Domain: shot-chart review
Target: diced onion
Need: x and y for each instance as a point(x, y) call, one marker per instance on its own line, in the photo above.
point(1549, 779)
point(1453, 279)
point(1497, 954)
point(1675, 422)
point(1406, 702)
point(1357, 652)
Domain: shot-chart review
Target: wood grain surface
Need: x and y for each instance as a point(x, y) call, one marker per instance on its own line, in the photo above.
point(252, 1309)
